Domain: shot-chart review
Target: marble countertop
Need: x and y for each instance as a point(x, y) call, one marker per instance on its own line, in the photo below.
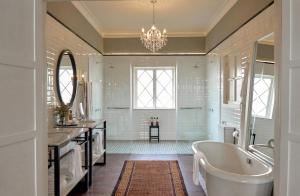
point(60, 136)
point(85, 124)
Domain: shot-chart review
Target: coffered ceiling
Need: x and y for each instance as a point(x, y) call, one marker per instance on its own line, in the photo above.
point(125, 18)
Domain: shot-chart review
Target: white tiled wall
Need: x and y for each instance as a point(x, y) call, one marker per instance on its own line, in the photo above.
point(213, 97)
point(241, 44)
point(128, 124)
point(59, 38)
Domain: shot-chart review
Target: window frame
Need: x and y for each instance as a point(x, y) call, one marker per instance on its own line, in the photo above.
point(154, 80)
point(270, 107)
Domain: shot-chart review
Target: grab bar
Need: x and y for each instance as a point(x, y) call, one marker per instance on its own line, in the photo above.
point(117, 108)
point(262, 155)
point(264, 145)
point(190, 108)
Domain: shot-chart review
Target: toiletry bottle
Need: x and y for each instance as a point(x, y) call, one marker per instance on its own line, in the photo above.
point(151, 121)
point(70, 115)
point(157, 123)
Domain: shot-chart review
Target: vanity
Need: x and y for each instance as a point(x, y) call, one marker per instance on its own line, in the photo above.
point(75, 143)
point(63, 144)
point(95, 128)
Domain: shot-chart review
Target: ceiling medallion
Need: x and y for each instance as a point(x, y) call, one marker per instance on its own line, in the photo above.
point(153, 39)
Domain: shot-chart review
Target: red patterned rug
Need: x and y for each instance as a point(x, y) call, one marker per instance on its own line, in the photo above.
point(155, 178)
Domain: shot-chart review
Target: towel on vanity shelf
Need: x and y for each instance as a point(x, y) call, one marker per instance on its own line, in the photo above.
point(77, 162)
point(71, 164)
point(98, 144)
point(196, 168)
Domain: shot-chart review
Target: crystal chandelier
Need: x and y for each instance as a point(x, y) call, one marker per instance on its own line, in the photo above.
point(153, 39)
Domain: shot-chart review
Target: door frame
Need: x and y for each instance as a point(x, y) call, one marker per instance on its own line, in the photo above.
point(279, 183)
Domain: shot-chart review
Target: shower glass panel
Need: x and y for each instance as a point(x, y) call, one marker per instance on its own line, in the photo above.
point(117, 106)
point(191, 97)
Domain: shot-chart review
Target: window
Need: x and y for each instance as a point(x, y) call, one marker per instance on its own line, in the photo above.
point(154, 88)
point(263, 96)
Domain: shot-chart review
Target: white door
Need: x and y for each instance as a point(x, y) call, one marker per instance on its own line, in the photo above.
point(288, 134)
point(23, 143)
point(96, 87)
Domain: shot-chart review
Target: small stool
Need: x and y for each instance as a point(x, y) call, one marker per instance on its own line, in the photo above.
point(150, 132)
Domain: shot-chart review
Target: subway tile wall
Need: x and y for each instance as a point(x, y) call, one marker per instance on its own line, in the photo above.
point(57, 39)
point(187, 122)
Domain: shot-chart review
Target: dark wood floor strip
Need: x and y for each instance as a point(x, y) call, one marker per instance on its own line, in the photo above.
point(170, 170)
point(130, 178)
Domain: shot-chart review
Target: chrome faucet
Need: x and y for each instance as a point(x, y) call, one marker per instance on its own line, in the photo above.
point(271, 143)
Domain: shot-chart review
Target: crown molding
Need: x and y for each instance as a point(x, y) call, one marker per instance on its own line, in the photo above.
point(220, 14)
point(135, 35)
point(155, 54)
point(89, 16)
point(267, 42)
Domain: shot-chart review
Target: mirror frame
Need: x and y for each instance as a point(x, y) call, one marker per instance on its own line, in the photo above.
point(69, 53)
point(250, 95)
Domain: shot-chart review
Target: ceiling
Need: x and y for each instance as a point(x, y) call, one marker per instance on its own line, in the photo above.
point(125, 18)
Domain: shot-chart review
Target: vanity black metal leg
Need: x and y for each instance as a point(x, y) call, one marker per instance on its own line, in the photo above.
point(104, 138)
point(104, 144)
point(56, 171)
point(90, 156)
point(86, 160)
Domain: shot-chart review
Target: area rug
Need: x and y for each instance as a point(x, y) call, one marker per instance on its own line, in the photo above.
point(155, 178)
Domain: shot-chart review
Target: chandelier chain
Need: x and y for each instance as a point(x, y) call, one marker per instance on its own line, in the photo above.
point(153, 12)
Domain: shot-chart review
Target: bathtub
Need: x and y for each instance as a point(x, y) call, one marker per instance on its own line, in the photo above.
point(228, 170)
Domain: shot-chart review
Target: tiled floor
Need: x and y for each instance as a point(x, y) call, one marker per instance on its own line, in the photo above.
point(145, 147)
point(105, 178)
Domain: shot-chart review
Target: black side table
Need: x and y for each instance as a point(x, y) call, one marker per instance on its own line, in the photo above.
point(150, 132)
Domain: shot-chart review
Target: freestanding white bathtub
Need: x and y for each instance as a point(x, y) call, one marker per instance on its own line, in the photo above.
point(228, 170)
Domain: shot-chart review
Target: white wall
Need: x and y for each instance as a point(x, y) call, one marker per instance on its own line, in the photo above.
point(128, 124)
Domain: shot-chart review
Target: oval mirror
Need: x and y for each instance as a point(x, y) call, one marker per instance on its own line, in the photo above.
point(66, 80)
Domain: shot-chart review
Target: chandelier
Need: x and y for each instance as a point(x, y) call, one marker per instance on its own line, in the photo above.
point(153, 39)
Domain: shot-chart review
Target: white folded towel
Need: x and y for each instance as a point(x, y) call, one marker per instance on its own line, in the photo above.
point(98, 144)
point(196, 168)
point(71, 164)
point(70, 169)
point(67, 166)
point(77, 162)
